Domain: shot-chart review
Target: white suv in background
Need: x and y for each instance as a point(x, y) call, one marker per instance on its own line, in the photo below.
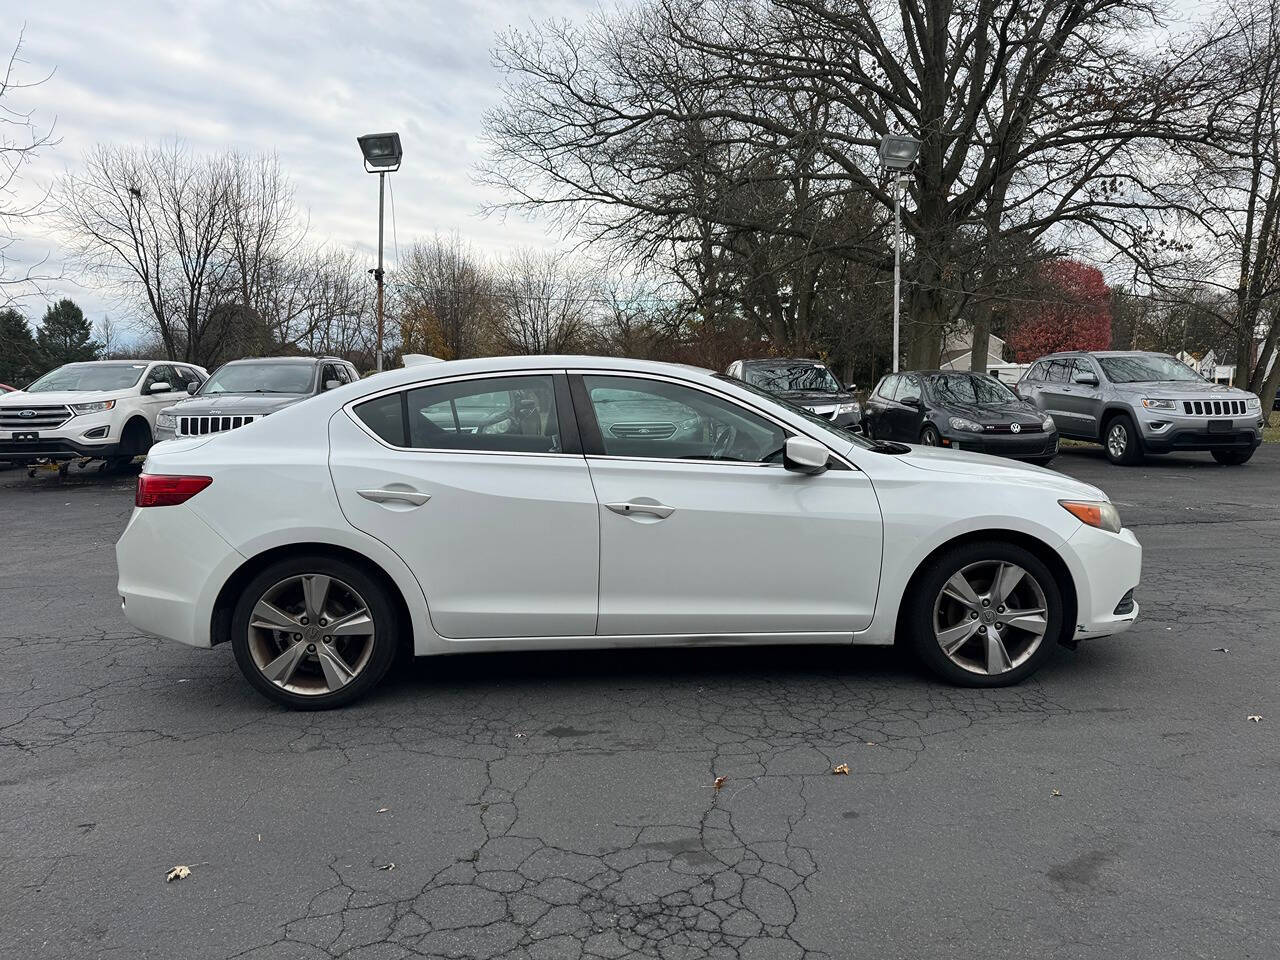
point(104, 409)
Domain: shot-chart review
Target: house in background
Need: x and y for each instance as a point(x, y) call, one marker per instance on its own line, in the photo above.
point(1209, 367)
point(957, 354)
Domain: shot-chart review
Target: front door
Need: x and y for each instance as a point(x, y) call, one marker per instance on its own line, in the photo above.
point(702, 530)
point(480, 487)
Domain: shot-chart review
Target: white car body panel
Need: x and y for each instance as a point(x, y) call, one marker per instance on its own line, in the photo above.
point(292, 479)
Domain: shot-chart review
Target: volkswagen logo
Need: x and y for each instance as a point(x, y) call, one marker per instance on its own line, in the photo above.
point(1015, 428)
point(26, 413)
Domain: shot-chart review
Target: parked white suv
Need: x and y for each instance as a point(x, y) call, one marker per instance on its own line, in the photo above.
point(104, 409)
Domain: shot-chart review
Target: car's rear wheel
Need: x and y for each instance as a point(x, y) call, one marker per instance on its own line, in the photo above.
point(314, 632)
point(1121, 441)
point(984, 614)
point(1232, 458)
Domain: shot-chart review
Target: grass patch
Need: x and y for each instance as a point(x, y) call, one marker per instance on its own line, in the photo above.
point(1271, 432)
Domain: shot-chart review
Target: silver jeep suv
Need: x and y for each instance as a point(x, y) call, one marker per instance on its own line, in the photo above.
point(1135, 402)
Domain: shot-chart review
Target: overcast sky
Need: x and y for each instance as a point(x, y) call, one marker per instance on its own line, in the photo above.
point(299, 77)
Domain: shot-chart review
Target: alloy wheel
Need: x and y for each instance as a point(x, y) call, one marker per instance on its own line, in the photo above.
point(311, 634)
point(1117, 440)
point(990, 617)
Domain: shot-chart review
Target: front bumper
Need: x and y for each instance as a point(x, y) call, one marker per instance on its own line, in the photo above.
point(1016, 446)
point(1106, 568)
point(84, 435)
point(1165, 433)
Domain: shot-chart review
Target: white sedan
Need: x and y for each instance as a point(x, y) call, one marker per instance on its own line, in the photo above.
point(574, 502)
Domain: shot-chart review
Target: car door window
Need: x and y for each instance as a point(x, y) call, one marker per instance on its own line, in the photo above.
point(888, 386)
point(1059, 372)
point(658, 419)
point(494, 414)
point(1081, 368)
point(160, 373)
point(908, 387)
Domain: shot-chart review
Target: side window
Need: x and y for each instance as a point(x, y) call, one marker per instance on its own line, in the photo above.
point(327, 373)
point(385, 417)
point(1059, 371)
point(893, 389)
point(352, 374)
point(160, 373)
point(661, 420)
point(186, 375)
point(1081, 367)
point(885, 390)
point(910, 387)
point(500, 414)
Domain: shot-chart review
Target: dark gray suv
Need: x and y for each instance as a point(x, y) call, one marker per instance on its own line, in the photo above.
point(1134, 402)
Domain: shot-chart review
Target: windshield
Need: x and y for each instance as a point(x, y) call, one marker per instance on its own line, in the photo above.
point(965, 389)
point(789, 377)
point(1147, 369)
point(827, 426)
point(260, 378)
point(89, 376)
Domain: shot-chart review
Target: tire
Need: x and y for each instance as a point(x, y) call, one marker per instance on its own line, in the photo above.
point(135, 442)
point(1232, 458)
point(310, 678)
point(930, 437)
point(932, 617)
point(1121, 441)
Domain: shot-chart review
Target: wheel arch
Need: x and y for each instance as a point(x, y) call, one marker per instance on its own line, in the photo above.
point(1109, 413)
point(225, 603)
point(1043, 551)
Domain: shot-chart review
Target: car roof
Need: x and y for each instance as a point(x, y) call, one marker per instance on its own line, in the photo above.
point(1101, 353)
point(423, 373)
point(782, 360)
point(245, 360)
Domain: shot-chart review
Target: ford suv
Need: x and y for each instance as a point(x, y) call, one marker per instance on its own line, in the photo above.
point(242, 391)
point(105, 409)
point(1134, 402)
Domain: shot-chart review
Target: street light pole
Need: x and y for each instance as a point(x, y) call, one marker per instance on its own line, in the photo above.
point(897, 153)
point(897, 268)
point(382, 186)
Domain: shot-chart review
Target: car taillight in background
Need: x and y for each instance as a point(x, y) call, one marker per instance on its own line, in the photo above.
point(159, 490)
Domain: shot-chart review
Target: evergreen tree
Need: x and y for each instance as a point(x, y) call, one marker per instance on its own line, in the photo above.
point(19, 356)
point(65, 335)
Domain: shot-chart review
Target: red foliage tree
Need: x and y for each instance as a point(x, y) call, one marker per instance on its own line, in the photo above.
point(1075, 313)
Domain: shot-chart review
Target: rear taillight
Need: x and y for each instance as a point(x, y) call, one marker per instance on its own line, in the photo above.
point(158, 490)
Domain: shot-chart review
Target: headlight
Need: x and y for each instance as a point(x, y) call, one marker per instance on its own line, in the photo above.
point(1152, 403)
point(960, 423)
point(96, 407)
point(167, 420)
point(1047, 422)
point(844, 408)
point(1096, 513)
point(1253, 403)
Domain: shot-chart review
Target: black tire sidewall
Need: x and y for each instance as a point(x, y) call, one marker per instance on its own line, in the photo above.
point(918, 618)
point(381, 608)
point(1232, 458)
point(930, 428)
point(1133, 447)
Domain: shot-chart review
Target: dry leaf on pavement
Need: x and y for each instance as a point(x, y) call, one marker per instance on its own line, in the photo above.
point(387, 866)
point(841, 768)
point(180, 872)
point(720, 782)
point(1056, 793)
point(1255, 718)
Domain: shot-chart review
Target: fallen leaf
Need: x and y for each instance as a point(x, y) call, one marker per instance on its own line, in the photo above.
point(1255, 718)
point(259, 838)
point(720, 782)
point(180, 872)
point(1220, 650)
point(383, 809)
point(841, 768)
point(1056, 793)
point(387, 866)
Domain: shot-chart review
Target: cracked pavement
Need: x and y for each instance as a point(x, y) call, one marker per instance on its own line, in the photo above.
point(551, 805)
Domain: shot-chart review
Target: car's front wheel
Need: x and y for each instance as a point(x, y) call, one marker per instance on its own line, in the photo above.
point(984, 614)
point(314, 632)
point(1121, 441)
point(929, 436)
point(1232, 458)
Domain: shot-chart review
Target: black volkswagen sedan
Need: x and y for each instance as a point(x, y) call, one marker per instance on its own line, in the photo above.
point(804, 383)
point(964, 411)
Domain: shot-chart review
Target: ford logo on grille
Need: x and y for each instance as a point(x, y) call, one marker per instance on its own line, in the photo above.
point(1015, 428)
point(26, 413)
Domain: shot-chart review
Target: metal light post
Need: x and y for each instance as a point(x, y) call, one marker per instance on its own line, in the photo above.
point(382, 154)
point(897, 153)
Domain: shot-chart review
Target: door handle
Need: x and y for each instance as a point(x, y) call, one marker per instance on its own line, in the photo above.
point(407, 496)
point(659, 510)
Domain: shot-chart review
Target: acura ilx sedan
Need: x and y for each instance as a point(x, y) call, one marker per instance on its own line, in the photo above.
point(576, 502)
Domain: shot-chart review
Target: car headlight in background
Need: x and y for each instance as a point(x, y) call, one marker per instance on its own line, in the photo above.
point(1153, 403)
point(843, 408)
point(960, 423)
point(167, 420)
point(1047, 422)
point(1253, 403)
point(98, 406)
point(1096, 513)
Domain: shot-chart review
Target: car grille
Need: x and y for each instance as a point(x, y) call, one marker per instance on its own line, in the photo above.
point(643, 431)
point(44, 417)
point(199, 426)
point(1213, 408)
point(1008, 428)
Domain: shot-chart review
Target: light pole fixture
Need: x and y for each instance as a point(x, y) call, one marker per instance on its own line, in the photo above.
point(382, 155)
point(897, 153)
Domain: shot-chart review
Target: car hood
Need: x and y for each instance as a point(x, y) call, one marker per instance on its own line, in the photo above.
point(41, 399)
point(233, 404)
point(942, 460)
point(1182, 388)
point(1015, 411)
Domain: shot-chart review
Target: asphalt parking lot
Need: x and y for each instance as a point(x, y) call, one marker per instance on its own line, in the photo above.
point(1121, 804)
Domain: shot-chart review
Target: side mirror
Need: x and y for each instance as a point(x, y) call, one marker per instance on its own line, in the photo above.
point(160, 387)
point(910, 401)
point(332, 384)
point(1088, 379)
point(802, 455)
point(192, 387)
point(851, 387)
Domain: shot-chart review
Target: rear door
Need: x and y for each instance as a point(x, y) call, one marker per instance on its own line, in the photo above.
point(479, 484)
point(878, 406)
point(904, 419)
point(1083, 401)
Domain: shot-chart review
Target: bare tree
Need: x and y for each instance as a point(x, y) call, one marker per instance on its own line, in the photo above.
point(544, 304)
point(21, 140)
point(445, 298)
